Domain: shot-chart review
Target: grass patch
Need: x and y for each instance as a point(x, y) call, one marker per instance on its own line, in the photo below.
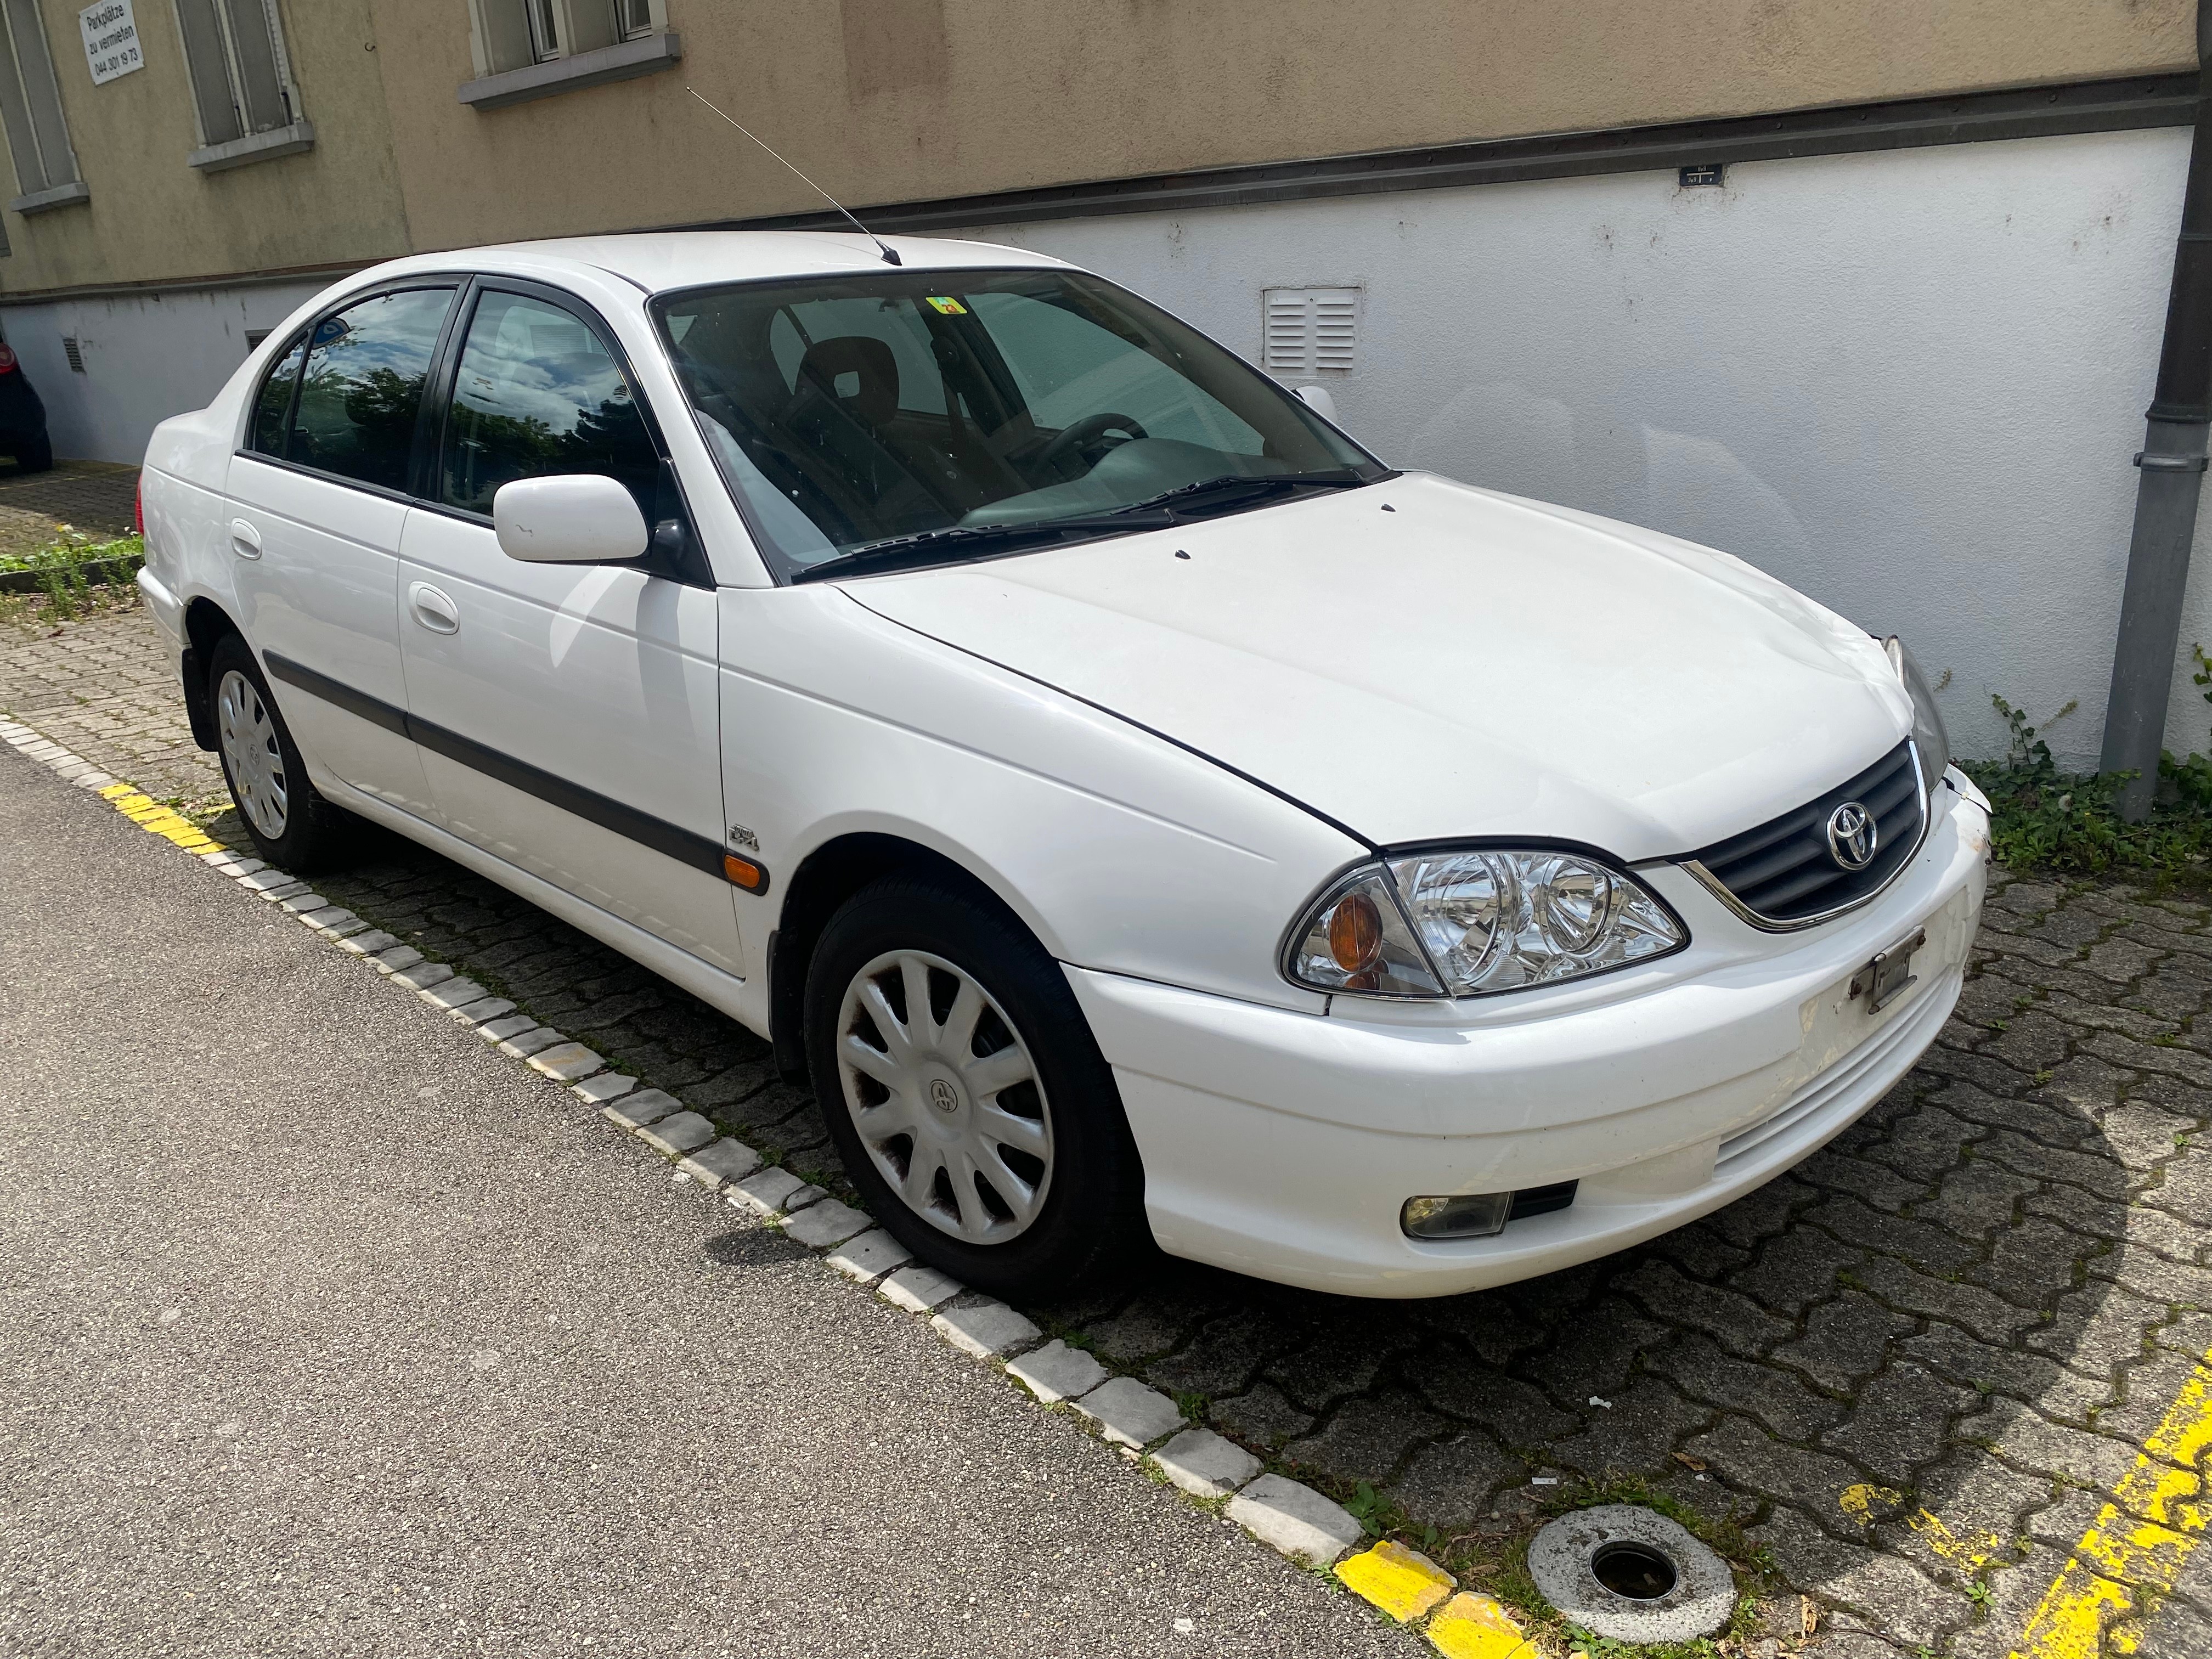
point(72, 575)
point(2047, 819)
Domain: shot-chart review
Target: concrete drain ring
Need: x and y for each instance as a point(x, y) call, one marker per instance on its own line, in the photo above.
point(1678, 1590)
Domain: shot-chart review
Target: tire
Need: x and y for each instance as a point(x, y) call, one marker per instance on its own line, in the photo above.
point(292, 826)
point(35, 454)
point(1036, 1113)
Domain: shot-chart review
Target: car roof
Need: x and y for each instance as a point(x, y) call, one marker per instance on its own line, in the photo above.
point(659, 260)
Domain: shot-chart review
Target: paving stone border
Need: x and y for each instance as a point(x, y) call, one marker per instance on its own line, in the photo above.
point(1306, 1527)
point(1964, 1319)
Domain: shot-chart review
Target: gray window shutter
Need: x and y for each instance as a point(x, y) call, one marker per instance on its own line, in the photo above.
point(260, 89)
point(211, 71)
point(34, 64)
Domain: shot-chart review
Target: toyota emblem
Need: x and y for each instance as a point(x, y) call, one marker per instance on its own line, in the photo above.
point(1852, 836)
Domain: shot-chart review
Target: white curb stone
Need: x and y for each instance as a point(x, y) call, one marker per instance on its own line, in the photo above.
point(1056, 1372)
point(677, 1133)
point(484, 1008)
point(278, 895)
point(771, 1192)
point(719, 1163)
point(989, 1330)
point(232, 863)
point(330, 915)
point(567, 1062)
point(454, 993)
point(645, 1106)
point(868, 1256)
point(93, 780)
point(369, 943)
point(421, 975)
point(344, 930)
point(827, 1222)
point(601, 1088)
point(1297, 1520)
point(523, 1044)
point(1128, 1414)
point(1204, 1464)
point(300, 903)
point(398, 957)
point(499, 1031)
point(919, 1289)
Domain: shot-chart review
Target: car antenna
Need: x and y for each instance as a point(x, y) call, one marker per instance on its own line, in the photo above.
point(890, 257)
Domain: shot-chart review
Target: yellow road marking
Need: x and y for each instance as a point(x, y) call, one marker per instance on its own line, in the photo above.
point(1405, 1583)
point(2138, 1541)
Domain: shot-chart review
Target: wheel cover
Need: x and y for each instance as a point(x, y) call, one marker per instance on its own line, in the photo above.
point(251, 755)
point(945, 1096)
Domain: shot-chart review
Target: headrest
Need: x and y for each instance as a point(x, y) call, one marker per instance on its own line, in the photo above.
point(868, 371)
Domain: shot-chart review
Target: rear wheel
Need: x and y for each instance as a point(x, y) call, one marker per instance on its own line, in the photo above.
point(291, 825)
point(35, 454)
point(966, 1095)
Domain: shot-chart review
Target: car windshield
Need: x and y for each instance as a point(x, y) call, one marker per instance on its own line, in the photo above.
point(924, 416)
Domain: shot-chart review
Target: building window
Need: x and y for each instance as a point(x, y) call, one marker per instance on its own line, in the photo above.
point(30, 109)
point(511, 34)
point(241, 80)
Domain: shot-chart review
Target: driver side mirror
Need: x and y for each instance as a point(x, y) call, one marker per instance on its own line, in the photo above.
point(1319, 399)
point(579, 518)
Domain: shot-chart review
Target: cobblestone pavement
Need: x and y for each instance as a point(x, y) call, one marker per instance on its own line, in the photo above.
point(1909, 1372)
point(92, 496)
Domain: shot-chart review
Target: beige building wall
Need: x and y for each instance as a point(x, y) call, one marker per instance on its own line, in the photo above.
point(888, 100)
point(885, 101)
point(151, 216)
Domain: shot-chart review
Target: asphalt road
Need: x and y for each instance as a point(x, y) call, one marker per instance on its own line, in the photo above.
point(325, 1329)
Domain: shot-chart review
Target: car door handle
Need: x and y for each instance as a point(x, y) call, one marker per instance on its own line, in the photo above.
point(245, 539)
point(432, 609)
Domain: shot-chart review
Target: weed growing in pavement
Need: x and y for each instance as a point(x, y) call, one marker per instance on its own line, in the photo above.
point(2048, 819)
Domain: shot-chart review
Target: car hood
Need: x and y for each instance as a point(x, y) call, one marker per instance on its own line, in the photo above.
point(1421, 659)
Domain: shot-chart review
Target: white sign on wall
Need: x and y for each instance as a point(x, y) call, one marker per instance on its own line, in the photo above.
point(111, 39)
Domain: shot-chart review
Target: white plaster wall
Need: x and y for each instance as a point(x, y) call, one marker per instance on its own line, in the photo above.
point(1907, 383)
point(146, 357)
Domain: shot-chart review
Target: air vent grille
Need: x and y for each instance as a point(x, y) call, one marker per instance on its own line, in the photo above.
point(1308, 330)
point(71, 351)
point(1784, 872)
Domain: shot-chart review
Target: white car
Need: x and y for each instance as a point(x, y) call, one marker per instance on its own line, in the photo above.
point(1138, 808)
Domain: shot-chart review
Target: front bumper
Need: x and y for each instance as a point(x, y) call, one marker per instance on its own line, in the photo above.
point(1282, 1143)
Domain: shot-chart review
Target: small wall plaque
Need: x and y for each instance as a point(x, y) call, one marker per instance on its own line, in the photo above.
point(1705, 172)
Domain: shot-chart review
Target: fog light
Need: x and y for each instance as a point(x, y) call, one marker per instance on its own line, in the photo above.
point(1470, 1215)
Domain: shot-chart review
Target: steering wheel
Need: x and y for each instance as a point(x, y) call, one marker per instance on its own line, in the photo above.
point(1084, 434)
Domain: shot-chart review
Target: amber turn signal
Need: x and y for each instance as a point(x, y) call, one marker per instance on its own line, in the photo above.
point(1355, 933)
point(743, 873)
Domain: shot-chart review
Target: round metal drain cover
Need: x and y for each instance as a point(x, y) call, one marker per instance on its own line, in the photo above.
point(1631, 1575)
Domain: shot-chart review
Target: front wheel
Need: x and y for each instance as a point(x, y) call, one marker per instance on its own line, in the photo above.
point(966, 1095)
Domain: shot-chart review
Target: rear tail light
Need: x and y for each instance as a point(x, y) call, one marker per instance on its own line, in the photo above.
point(137, 501)
point(7, 360)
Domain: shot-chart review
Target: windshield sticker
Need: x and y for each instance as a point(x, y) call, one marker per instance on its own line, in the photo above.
point(947, 304)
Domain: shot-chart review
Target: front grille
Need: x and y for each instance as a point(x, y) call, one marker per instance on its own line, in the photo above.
point(1783, 871)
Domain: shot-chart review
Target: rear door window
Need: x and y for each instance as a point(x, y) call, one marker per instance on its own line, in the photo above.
point(366, 369)
point(538, 393)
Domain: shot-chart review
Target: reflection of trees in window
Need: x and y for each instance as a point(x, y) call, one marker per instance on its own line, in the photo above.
point(490, 449)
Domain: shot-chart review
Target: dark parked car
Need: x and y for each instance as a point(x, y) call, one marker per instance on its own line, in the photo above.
point(22, 417)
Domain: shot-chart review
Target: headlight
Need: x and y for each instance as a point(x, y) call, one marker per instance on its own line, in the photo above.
point(1462, 922)
point(1928, 733)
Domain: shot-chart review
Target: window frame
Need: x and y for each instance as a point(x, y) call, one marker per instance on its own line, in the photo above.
point(232, 71)
point(505, 35)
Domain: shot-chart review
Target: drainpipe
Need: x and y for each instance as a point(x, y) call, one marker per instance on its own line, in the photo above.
point(2172, 462)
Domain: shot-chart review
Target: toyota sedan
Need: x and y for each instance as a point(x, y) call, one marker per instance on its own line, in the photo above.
point(1143, 814)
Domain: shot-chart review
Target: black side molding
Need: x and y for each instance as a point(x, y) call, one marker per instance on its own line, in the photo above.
point(670, 840)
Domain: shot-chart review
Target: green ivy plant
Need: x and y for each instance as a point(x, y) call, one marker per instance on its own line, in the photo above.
point(2045, 818)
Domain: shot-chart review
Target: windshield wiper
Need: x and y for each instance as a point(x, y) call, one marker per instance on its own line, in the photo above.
point(1241, 486)
point(902, 552)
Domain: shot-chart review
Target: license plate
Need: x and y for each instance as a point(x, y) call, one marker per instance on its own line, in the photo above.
point(1882, 980)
